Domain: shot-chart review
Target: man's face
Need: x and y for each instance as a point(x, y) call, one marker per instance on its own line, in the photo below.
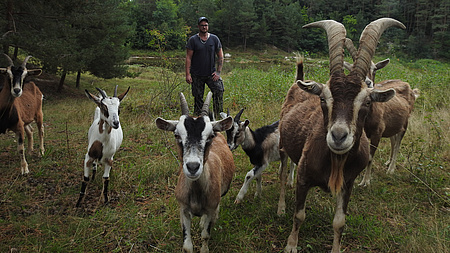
point(203, 26)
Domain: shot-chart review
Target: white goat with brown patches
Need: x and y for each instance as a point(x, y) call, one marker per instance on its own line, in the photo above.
point(262, 148)
point(206, 169)
point(387, 120)
point(105, 137)
point(20, 105)
point(321, 125)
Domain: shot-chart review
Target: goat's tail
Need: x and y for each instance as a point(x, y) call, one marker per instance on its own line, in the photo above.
point(336, 180)
point(300, 74)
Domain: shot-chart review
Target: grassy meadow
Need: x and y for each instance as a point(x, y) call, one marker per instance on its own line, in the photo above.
point(405, 212)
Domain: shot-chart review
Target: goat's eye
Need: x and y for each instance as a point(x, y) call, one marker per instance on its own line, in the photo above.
point(322, 100)
point(178, 137)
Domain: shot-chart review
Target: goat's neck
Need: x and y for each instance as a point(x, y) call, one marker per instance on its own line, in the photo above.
point(6, 99)
point(104, 129)
point(249, 140)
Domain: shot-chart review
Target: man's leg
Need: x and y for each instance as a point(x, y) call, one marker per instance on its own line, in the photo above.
point(198, 88)
point(217, 88)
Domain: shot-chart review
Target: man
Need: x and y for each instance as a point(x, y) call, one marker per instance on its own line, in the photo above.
point(201, 51)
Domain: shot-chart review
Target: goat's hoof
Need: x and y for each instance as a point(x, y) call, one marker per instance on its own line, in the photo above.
point(237, 201)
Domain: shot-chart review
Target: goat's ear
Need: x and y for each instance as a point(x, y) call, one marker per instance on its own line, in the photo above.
point(166, 125)
point(92, 97)
point(311, 87)
point(123, 95)
point(382, 95)
point(34, 72)
point(246, 123)
point(223, 115)
point(222, 125)
point(382, 64)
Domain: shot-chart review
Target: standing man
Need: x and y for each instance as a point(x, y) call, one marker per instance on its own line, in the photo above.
point(201, 51)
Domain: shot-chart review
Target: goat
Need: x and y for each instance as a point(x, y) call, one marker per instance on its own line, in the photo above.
point(390, 119)
point(206, 170)
point(261, 146)
point(105, 137)
point(321, 125)
point(21, 104)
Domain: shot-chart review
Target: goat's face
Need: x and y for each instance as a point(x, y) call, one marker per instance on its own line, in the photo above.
point(17, 75)
point(109, 106)
point(236, 134)
point(345, 103)
point(194, 136)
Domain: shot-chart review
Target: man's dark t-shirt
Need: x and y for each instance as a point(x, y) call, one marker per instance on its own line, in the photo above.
point(203, 59)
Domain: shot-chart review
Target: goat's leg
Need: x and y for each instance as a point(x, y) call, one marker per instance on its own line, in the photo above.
point(207, 223)
point(108, 165)
point(290, 180)
point(87, 165)
point(20, 134)
point(368, 173)
point(299, 217)
point(40, 125)
point(185, 218)
point(258, 191)
point(29, 131)
point(342, 200)
point(395, 148)
point(283, 177)
point(248, 178)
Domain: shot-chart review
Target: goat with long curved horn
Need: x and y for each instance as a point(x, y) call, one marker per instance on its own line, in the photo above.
point(321, 127)
point(336, 37)
point(184, 105)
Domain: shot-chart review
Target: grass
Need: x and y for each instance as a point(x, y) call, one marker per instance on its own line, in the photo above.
point(405, 212)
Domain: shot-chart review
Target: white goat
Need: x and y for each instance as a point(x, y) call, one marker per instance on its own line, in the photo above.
point(262, 148)
point(21, 104)
point(105, 137)
point(206, 169)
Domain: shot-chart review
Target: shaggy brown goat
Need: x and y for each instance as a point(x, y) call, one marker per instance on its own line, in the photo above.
point(321, 125)
point(388, 120)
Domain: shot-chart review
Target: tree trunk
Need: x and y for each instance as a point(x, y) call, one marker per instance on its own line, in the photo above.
point(61, 81)
point(78, 79)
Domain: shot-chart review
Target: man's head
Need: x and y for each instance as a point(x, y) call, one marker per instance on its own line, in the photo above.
point(203, 24)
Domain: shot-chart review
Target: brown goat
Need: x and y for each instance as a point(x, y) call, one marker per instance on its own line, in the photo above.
point(321, 125)
point(206, 169)
point(21, 104)
point(388, 120)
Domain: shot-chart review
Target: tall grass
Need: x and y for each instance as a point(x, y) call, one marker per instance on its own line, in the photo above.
point(405, 212)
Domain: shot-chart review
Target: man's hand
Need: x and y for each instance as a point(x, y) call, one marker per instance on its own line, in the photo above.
point(188, 79)
point(216, 76)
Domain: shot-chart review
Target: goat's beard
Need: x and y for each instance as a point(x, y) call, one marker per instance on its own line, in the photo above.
point(336, 180)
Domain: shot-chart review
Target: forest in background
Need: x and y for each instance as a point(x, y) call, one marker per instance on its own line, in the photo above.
point(97, 36)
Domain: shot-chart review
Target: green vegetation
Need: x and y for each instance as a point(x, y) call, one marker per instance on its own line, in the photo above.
point(406, 212)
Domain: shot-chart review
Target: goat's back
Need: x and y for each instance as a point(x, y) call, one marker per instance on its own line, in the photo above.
point(220, 161)
point(301, 115)
point(389, 118)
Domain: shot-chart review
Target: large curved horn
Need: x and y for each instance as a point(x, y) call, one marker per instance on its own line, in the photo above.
point(351, 48)
point(184, 105)
point(237, 118)
point(115, 91)
point(102, 92)
point(11, 63)
point(336, 34)
point(368, 43)
point(205, 108)
point(24, 63)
